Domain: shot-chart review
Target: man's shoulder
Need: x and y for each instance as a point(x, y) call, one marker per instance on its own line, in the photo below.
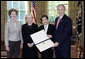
point(57, 17)
point(67, 18)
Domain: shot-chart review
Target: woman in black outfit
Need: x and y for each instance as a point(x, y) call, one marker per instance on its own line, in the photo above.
point(49, 29)
point(29, 49)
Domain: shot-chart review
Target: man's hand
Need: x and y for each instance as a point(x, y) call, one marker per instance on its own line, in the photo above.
point(55, 44)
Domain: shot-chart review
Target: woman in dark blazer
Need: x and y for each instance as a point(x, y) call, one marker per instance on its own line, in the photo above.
point(49, 29)
point(29, 49)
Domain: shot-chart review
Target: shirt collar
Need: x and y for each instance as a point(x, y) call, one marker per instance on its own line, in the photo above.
point(46, 25)
point(61, 16)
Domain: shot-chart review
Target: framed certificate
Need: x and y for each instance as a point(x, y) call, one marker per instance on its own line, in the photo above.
point(41, 40)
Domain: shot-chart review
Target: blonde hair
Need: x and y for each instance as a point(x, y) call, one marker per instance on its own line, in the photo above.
point(27, 16)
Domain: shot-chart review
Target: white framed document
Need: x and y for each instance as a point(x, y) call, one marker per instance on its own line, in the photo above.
point(41, 40)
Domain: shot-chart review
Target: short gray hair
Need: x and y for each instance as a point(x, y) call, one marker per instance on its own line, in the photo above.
point(61, 5)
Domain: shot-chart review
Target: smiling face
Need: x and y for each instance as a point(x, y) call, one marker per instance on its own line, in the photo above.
point(29, 18)
point(44, 21)
point(61, 10)
point(13, 15)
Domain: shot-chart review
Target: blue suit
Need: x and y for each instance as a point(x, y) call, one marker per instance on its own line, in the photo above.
point(62, 35)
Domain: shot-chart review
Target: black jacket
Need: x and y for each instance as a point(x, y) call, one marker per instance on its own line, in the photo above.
point(50, 30)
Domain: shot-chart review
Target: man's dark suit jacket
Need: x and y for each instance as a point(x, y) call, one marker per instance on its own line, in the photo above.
point(62, 35)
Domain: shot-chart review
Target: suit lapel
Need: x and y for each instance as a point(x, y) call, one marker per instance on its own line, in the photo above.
point(61, 21)
point(48, 29)
point(43, 27)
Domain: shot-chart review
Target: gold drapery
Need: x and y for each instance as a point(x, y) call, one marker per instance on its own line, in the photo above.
point(3, 17)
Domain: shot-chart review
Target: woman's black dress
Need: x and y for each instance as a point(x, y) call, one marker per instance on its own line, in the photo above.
point(29, 52)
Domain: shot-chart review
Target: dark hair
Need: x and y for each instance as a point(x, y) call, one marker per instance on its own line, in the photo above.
point(43, 17)
point(11, 10)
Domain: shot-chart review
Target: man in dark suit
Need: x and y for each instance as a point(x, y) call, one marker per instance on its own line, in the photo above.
point(63, 31)
point(49, 29)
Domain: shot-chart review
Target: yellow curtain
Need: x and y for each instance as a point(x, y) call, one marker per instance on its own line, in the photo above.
point(3, 17)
